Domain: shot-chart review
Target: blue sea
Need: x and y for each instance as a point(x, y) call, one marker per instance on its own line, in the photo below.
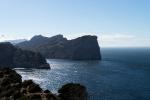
point(123, 74)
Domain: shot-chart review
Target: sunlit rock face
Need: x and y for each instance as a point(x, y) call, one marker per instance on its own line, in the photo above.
point(13, 57)
point(82, 48)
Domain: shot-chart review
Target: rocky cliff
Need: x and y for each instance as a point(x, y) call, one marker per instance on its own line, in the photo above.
point(82, 48)
point(12, 88)
point(13, 57)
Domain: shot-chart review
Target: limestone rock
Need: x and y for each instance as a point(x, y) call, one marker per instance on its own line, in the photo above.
point(58, 47)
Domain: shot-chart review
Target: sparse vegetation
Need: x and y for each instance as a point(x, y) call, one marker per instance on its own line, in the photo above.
point(12, 88)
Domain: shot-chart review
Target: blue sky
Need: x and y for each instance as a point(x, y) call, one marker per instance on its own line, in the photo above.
point(115, 22)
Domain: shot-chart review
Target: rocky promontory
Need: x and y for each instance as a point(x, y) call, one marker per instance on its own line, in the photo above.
point(13, 57)
point(12, 88)
point(58, 47)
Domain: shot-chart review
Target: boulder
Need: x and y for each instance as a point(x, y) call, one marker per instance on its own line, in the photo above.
point(73, 91)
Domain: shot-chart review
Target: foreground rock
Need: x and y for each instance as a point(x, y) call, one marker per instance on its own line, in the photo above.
point(73, 91)
point(82, 48)
point(12, 88)
point(13, 57)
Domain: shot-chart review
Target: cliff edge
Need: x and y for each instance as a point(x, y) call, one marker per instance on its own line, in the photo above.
point(58, 47)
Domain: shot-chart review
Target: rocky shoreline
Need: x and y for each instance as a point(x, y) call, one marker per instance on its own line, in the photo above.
point(12, 88)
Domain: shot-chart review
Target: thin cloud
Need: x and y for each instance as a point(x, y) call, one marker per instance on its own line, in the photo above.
point(2, 36)
point(7, 37)
point(123, 40)
point(105, 40)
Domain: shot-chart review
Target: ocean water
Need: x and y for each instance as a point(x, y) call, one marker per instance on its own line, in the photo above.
point(123, 74)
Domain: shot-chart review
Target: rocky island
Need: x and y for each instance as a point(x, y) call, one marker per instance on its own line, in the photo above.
point(13, 57)
point(12, 88)
point(59, 47)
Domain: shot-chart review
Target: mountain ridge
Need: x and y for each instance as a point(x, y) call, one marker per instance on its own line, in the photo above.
point(58, 47)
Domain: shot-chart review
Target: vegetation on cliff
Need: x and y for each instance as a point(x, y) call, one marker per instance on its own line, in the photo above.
point(12, 88)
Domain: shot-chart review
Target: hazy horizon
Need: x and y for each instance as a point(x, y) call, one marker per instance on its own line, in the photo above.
point(117, 23)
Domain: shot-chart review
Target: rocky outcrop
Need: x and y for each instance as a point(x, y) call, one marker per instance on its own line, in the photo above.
point(58, 47)
point(13, 57)
point(73, 91)
point(12, 88)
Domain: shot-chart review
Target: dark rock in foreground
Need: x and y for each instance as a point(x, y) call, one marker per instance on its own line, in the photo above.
point(73, 91)
point(13, 57)
point(82, 48)
point(12, 88)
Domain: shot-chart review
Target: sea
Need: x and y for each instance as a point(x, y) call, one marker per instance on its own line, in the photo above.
point(122, 74)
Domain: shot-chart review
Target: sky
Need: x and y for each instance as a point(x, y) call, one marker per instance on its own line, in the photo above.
point(117, 23)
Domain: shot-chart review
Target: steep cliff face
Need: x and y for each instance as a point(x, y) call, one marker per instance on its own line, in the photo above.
point(13, 57)
point(82, 48)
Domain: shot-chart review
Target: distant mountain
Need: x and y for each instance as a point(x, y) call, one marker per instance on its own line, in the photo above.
point(13, 57)
point(14, 42)
point(58, 47)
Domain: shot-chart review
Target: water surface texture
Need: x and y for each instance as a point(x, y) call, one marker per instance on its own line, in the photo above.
point(123, 74)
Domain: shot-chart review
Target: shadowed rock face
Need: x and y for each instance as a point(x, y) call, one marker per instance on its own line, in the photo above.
point(82, 48)
point(73, 91)
point(12, 88)
point(13, 57)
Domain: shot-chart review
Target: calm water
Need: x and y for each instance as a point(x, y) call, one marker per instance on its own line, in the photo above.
point(123, 74)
